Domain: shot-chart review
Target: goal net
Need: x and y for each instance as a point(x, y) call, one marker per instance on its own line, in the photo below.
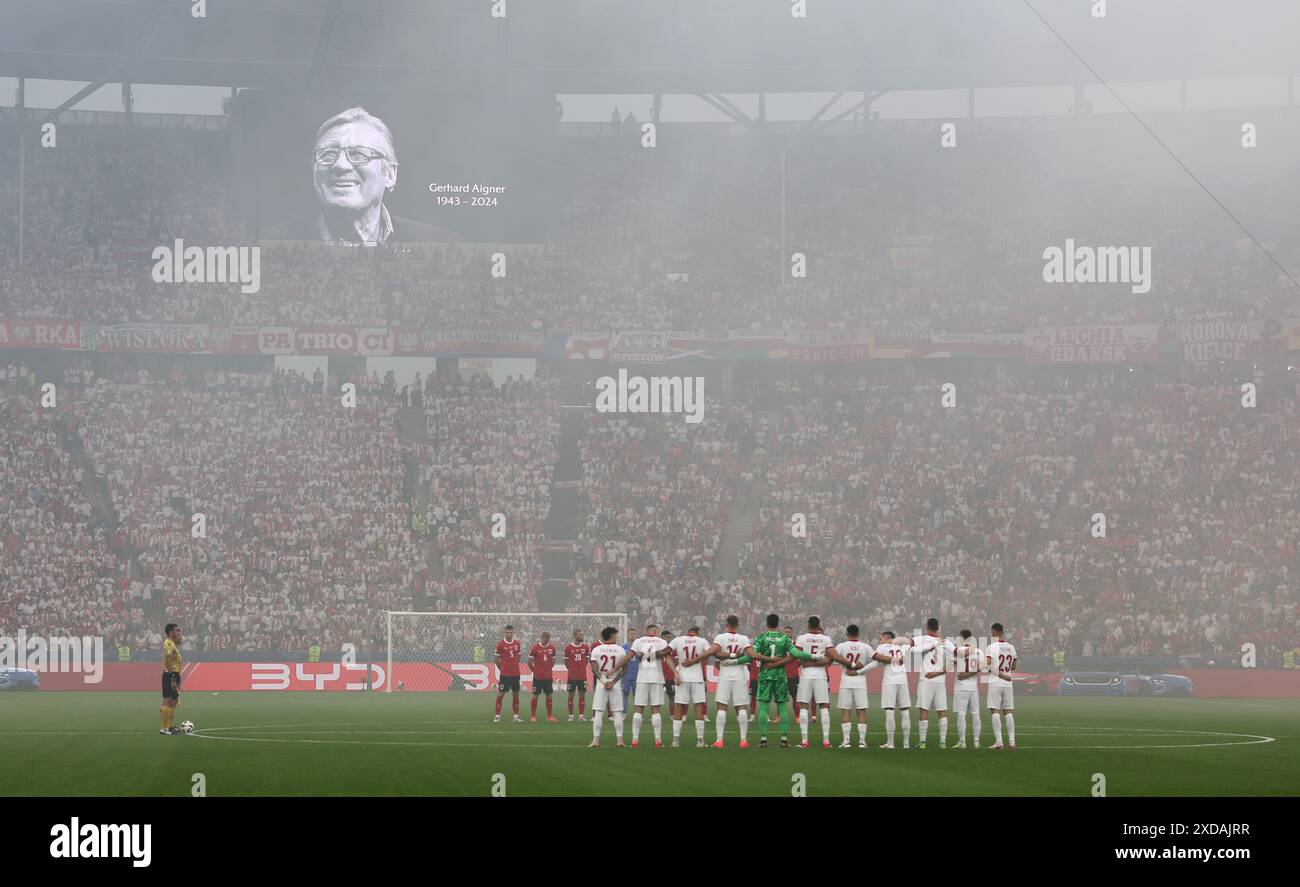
point(454, 651)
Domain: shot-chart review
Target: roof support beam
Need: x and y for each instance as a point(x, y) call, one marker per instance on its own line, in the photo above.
point(82, 93)
point(811, 121)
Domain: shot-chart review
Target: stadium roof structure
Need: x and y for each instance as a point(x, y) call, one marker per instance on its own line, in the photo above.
point(642, 46)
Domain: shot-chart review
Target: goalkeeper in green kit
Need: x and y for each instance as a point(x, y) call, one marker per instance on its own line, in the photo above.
point(772, 686)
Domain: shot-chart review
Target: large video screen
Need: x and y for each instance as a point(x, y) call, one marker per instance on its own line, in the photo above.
point(395, 168)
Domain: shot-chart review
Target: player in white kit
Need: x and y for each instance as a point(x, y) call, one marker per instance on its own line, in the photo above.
point(691, 688)
point(814, 683)
point(966, 696)
point(852, 695)
point(608, 659)
point(733, 680)
point(893, 687)
point(650, 649)
point(1000, 658)
point(932, 687)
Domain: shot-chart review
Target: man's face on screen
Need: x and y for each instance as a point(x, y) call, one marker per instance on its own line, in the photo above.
point(345, 185)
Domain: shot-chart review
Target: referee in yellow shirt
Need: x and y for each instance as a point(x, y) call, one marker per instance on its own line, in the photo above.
point(171, 679)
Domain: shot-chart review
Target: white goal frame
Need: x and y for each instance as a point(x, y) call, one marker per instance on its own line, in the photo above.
point(618, 620)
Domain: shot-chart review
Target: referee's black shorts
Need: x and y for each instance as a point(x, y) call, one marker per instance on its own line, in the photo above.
point(171, 685)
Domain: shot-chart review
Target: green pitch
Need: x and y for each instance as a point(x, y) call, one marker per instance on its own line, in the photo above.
point(445, 744)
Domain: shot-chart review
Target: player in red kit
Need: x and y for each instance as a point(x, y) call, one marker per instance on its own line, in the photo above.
point(541, 660)
point(577, 655)
point(507, 660)
point(670, 675)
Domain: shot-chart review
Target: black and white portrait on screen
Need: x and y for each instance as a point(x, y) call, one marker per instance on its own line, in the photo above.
point(354, 167)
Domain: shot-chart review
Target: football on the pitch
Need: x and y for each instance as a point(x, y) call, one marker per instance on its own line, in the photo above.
point(187, 726)
point(401, 685)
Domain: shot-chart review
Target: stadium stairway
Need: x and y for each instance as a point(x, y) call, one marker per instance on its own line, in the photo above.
point(413, 427)
point(1085, 452)
point(738, 532)
point(740, 526)
point(744, 508)
point(565, 516)
point(93, 487)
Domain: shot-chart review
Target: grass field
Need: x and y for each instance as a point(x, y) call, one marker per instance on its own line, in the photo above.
point(445, 744)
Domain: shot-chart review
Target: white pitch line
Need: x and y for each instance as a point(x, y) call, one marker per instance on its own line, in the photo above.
point(1121, 732)
point(4, 733)
point(373, 742)
point(394, 732)
point(1047, 730)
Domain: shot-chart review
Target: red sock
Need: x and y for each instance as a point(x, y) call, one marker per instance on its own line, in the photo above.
point(570, 705)
point(548, 706)
point(515, 705)
point(534, 706)
point(498, 705)
point(582, 703)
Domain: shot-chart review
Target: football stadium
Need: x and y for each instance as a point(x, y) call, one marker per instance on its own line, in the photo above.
point(708, 399)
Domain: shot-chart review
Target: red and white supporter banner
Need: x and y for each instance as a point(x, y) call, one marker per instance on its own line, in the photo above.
point(381, 341)
point(627, 347)
point(974, 345)
point(283, 340)
point(483, 342)
point(1091, 344)
point(158, 338)
point(38, 333)
point(1103, 343)
point(1217, 339)
point(587, 346)
point(829, 346)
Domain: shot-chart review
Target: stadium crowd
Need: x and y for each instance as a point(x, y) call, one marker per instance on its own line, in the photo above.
point(916, 501)
point(900, 240)
point(492, 453)
point(303, 536)
point(656, 497)
point(60, 568)
point(318, 517)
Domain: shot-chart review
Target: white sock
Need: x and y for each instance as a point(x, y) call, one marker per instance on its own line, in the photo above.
point(618, 725)
point(743, 717)
point(803, 723)
point(862, 731)
point(961, 727)
point(977, 728)
point(907, 727)
point(699, 729)
point(827, 727)
point(721, 723)
point(596, 717)
point(657, 722)
point(925, 727)
point(1011, 728)
point(889, 727)
point(637, 718)
point(846, 729)
point(997, 727)
point(943, 729)
point(677, 729)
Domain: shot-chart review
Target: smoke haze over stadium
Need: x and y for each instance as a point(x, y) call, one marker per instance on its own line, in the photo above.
point(337, 337)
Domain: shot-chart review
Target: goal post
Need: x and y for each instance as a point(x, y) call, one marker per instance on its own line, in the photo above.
point(454, 651)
